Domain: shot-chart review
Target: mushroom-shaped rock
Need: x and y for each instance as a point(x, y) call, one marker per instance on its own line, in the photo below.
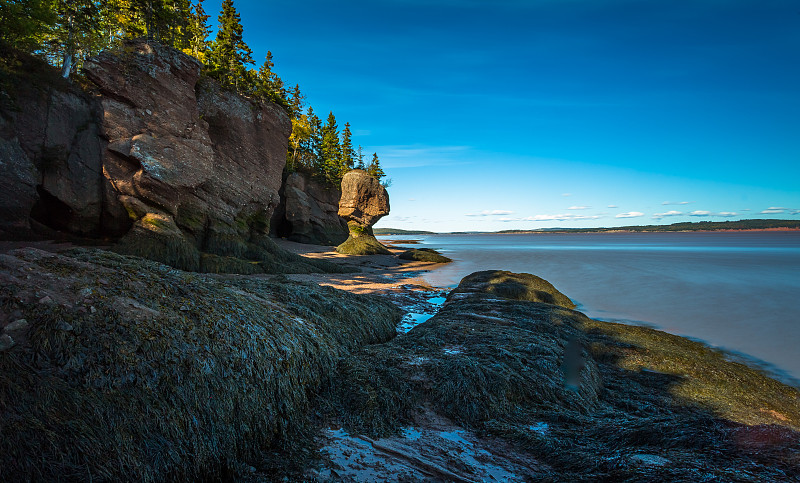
point(364, 201)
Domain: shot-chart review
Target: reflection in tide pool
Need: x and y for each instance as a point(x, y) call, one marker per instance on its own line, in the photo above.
point(738, 291)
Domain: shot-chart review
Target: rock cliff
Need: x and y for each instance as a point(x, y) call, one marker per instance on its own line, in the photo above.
point(156, 157)
point(364, 201)
point(308, 212)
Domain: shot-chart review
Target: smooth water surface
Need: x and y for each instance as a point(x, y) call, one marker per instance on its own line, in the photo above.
point(735, 290)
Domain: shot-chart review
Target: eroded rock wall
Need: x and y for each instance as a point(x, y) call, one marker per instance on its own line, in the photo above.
point(151, 155)
point(309, 212)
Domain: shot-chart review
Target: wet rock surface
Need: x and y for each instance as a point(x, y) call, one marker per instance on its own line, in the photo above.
point(491, 361)
point(116, 368)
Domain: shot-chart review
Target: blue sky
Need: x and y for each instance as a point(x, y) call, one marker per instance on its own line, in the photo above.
point(511, 114)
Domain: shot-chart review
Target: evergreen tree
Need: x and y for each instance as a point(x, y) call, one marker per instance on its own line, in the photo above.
point(348, 153)
point(229, 52)
point(360, 157)
point(374, 168)
point(198, 32)
point(330, 162)
point(296, 101)
point(313, 160)
point(269, 86)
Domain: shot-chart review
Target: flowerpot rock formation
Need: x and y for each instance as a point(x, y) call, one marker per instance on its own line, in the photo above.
point(364, 201)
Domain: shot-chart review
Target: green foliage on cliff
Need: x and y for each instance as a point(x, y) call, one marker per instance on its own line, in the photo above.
point(66, 32)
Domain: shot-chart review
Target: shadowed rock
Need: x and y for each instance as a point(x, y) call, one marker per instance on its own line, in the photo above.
point(309, 212)
point(424, 255)
point(364, 201)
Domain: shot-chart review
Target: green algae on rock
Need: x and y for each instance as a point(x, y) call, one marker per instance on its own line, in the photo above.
point(127, 369)
point(491, 361)
point(424, 255)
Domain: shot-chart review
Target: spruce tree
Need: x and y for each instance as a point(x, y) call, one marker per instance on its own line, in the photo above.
point(360, 157)
point(348, 153)
point(374, 168)
point(296, 101)
point(331, 151)
point(229, 52)
point(314, 158)
point(198, 32)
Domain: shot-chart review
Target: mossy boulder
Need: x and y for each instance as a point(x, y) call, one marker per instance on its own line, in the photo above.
point(494, 361)
point(123, 369)
point(508, 285)
point(424, 255)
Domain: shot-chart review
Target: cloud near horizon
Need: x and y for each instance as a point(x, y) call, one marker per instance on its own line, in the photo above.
point(578, 208)
point(667, 213)
point(773, 210)
point(559, 217)
point(630, 214)
point(676, 202)
point(490, 213)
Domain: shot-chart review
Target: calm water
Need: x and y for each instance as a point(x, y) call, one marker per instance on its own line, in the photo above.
point(737, 291)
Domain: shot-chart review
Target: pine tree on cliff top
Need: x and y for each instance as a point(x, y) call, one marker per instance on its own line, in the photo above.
point(198, 32)
point(348, 153)
point(374, 169)
point(331, 151)
point(229, 53)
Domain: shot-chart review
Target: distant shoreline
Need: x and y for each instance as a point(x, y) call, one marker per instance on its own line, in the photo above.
point(753, 225)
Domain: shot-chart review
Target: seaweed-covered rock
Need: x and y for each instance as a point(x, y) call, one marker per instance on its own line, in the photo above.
point(364, 201)
point(123, 369)
point(508, 285)
point(424, 255)
point(496, 361)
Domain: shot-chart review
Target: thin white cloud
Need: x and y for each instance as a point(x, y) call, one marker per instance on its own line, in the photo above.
point(490, 213)
point(415, 155)
point(667, 213)
point(745, 209)
point(412, 199)
point(773, 210)
point(578, 208)
point(676, 202)
point(794, 212)
point(559, 217)
point(727, 213)
point(566, 194)
point(630, 214)
point(700, 213)
point(613, 206)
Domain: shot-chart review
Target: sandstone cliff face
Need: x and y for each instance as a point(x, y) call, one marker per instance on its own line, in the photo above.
point(50, 156)
point(175, 168)
point(193, 168)
point(309, 212)
point(364, 201)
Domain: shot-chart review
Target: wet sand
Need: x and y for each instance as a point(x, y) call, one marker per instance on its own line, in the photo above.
point(379, 274)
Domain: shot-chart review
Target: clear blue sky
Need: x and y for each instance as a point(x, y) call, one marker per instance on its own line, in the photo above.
point(513, 114)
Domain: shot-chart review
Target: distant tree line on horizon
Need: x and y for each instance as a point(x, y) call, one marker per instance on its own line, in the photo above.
point(67, 32)
point(752, 224)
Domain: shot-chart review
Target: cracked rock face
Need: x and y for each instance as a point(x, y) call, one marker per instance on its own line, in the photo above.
point(364, 201)
point(204, 163)
point(152, 154)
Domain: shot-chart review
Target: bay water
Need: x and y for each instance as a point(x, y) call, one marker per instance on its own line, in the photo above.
point(738, 291)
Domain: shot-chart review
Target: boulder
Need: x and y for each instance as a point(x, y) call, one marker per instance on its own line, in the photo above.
point(364, 201)
point(309, 212)
point(424, 255)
